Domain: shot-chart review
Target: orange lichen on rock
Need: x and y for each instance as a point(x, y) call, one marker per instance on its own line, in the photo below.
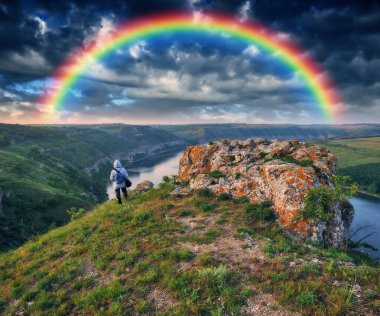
point(268, 177)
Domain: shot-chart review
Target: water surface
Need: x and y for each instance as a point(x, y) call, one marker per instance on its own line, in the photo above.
point(153, 173)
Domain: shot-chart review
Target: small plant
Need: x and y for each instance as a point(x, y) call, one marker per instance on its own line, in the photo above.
point(205, 193)
point(232, 158)
point(216, 174)
point(263, 154)
point(307, 299)
point(238, 176)
point(185, 213)
point(206, 259)
point(211, 143)
point(262, 211)
point(76, 213)
point(206, 207)
point(241, 200)
point(225, 197)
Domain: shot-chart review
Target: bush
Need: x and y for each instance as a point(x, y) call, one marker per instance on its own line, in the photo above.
point(216, 174)
point(241, 200)
point(225, 197)
point(320, 199)
point(205, 193)
point(307, 299)
point(263, 154)
point(262, 211)
point(76, 213)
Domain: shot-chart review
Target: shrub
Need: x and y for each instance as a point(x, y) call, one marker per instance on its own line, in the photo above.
point(263, 154)
point(206, 207)
point(262, 211)
point(237, 176)
point(205, 193)
point(320, 199)
point(241, 200)
point(216, 174)
point(307, 299)
point(76, 213)
point(225, 197)
point(185, 213)
point(232, 158)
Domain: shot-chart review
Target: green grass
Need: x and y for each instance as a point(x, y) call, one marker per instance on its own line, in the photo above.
point(41, 172)
point(360, 159)
point(110, 260)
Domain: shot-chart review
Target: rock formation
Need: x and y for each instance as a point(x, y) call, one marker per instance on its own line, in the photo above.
point(281, 172)
point(143, 187)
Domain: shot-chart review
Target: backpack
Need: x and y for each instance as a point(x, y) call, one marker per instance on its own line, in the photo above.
point(119, 177)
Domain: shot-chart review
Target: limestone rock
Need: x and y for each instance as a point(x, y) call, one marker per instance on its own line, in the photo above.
point(143, 186)
point(282, 172)
point(181, 190)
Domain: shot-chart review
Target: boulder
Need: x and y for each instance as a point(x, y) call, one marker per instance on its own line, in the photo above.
point(143, 186)
point(281, 172)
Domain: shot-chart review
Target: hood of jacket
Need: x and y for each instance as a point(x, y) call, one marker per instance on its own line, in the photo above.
point(116, 164)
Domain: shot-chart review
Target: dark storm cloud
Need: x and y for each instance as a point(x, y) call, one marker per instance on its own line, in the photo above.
point(36, 36)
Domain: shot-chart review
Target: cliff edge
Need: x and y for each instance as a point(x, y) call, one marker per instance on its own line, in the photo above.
point(281, 172)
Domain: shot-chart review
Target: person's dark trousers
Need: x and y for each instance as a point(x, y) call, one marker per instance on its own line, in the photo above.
point(118, 196)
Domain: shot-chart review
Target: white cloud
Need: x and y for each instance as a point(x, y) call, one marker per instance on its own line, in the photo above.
point(244, 11)
point(251, 50)
point(41, 25)
point(138, 49)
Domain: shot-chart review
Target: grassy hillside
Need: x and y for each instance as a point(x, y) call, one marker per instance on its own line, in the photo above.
point(200, 255)
point(200, 133)
point(360, 159)
point(42, 172)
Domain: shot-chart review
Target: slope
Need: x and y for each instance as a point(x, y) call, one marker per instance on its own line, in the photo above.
point(200, 255)
point(43, 171)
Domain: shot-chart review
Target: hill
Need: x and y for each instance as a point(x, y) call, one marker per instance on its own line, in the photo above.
point(45, 170)
point(198, 255)
point(202, 133)
point(360, 159)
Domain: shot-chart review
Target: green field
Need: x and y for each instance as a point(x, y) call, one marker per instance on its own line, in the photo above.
point(360, 159)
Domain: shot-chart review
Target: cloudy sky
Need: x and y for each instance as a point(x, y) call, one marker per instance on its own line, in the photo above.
point(188, 78)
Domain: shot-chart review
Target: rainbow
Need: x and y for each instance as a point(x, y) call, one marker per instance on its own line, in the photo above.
point(313, 76)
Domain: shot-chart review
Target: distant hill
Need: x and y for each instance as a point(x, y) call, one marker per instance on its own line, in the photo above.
point(200, 255)
point(46, 170)
point(201, 133)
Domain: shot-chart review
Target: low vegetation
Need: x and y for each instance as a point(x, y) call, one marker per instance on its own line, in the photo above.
point(160, 255)
point(359, 158)
point(320, 199)
point(42, 172)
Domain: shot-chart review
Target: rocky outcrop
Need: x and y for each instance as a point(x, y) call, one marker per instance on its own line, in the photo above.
point(282, 172)
point(143, 187)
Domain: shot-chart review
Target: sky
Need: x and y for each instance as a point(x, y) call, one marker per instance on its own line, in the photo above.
point(188, 78)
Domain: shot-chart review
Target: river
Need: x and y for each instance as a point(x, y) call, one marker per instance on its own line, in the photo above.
point(367, 210)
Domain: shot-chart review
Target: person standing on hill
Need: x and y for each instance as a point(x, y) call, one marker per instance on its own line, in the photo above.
point(119, 178)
